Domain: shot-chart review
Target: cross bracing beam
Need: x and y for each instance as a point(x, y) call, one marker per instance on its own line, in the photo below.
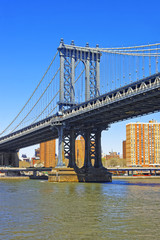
point(69, 55)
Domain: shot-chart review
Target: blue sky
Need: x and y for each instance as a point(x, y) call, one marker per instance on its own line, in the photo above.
point(30, 32)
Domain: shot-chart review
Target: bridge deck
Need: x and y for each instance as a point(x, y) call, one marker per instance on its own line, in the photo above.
point(136, 99)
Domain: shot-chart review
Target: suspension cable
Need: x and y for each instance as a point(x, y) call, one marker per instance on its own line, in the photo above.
point(150, 50)
point(52, 101)
point(117, 48)
point(37, 101)
point(52, 109)
point(31, 95)
point(46, 107)
point(133, 50)
point(39, 97)
point(141, 46)
point(79, 75)
point(133, 54)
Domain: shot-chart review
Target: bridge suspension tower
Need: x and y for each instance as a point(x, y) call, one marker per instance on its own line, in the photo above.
point(70, 55)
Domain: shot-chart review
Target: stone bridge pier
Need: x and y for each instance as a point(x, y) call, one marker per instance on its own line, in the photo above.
point(92, 149)
point(92, 170)
point(9, 159)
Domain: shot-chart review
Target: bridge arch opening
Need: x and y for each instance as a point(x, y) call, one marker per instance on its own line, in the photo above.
point(92, 148)
point(79, 151)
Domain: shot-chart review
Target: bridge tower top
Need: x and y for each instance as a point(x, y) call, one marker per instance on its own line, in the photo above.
point(90, 57)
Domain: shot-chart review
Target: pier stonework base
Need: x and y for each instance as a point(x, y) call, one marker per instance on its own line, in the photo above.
point(80, 175)
point(63, 175)
point(94, 175)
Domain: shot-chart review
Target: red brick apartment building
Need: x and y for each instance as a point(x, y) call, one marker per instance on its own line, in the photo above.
point(142, 147)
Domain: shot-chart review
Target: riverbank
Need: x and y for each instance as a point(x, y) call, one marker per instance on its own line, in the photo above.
point(40, 178)
point(14, 178)
point(135, 177)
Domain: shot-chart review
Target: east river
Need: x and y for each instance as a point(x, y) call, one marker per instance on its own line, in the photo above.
point(33, 209)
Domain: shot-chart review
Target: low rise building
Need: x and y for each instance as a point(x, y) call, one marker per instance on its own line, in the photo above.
point(48, 154)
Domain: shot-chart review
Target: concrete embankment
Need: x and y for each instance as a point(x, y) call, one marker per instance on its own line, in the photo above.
point(14, 178)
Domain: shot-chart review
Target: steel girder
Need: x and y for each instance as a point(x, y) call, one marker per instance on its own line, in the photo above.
point(99, 112)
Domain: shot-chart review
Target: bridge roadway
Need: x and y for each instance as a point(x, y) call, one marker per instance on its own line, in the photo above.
point(30, 169)
point(119, 169)
point(136, 99)
point(44, 169)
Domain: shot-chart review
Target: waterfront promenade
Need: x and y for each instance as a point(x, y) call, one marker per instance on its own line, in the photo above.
point(118, 173)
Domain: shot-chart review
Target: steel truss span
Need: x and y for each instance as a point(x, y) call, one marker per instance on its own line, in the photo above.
point(133, 100)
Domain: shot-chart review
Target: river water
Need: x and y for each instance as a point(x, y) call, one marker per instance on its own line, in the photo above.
point(32, 209)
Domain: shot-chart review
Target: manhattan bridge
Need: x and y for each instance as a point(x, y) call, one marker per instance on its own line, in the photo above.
point(82, 92)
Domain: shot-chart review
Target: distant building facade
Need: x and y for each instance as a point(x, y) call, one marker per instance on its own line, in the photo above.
point(112, 155)
point(143, 144)
point(124, 149)
point(47, 153)
point(37, 153)
point(112, 159)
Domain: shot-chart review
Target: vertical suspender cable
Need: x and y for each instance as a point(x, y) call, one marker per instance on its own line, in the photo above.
point(107, 69)
point(120, 69)
point(115, 69)
point(124, 69)
point(143, 64)
point(129, 69)
point(157, 61)
point(110, 70)
point(136, 67)
point(150, 62)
